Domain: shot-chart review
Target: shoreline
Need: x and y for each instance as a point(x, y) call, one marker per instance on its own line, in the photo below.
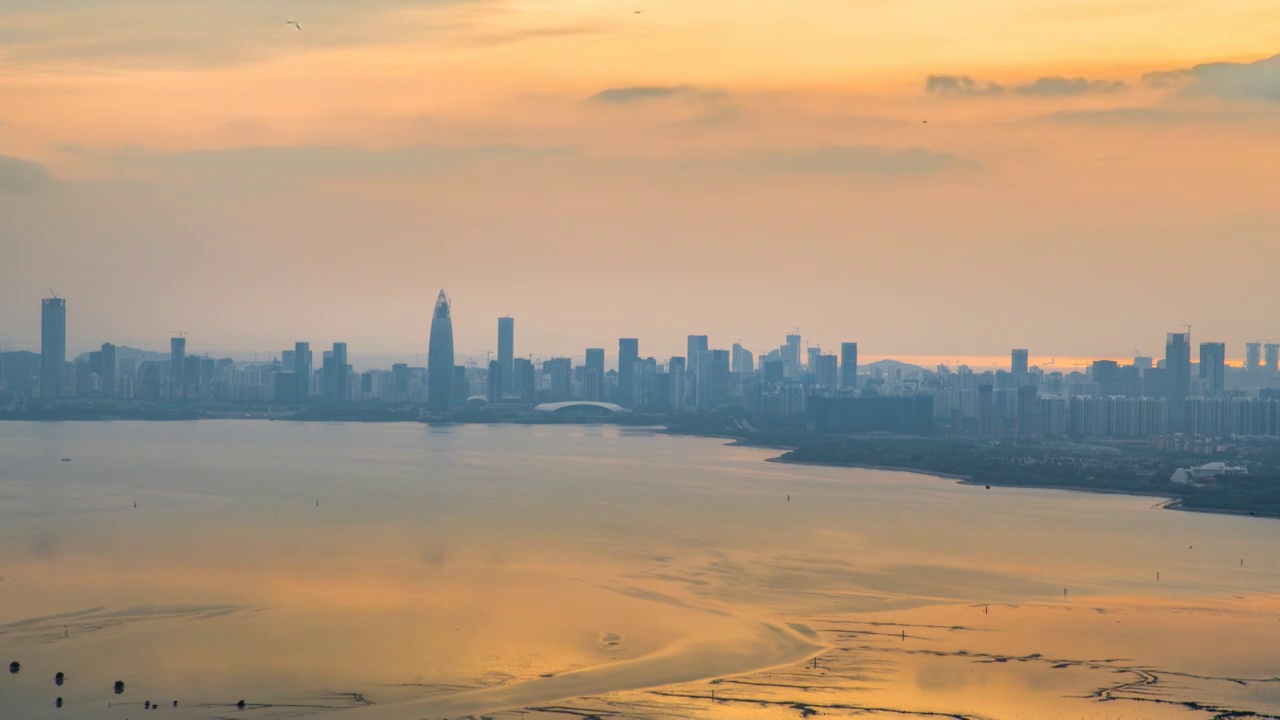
point(1167, 503)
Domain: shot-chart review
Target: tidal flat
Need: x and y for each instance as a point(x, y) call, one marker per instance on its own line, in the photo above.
point(409, 571)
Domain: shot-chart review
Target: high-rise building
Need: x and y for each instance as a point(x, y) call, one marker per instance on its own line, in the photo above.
point(302, 370)
point(526, 380)
point(1018, 365)
point(677, 377)
point(336, 373)
point(1271, 357)
point(559, 372)
point(1253, 356)
point(628, 353)
point(701, 381)
point(440, 357)
point(811, 361)
point(791, 356)
point(400, 379)
point(848, 365)
point(461, 388)
point(177, 367)
point(1177, 361)
point(741, 360)
point(1029, 422)
point(149, 381)
point(53, 347)
point(644, 376)
point(697, 344)
point(593, 375)
point(826, 372)
point(495, 379)
point(506, 351)
point(107, 373)
point(1213, 367)
point(191, 378)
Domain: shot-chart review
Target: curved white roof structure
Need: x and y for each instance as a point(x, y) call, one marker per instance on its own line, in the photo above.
point(558, 406)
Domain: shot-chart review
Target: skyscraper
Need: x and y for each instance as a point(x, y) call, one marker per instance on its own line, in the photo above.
point(1018, 365)
point(559, 372)
point(791, 356)
point(676, 371)
point(440, 357)
point(825, 374)
point(1177, 362)
point(593, 375)
point(53, 347)
point(1253, 356)
point(741, 360)
point(1271, 357)
point(336, 373)
point(302, 369)
point(495, 378)
point(526, 382)
point(628, 353)
point(107, 370)
point(177, 367)
point(1213, 367)
point(506, 351)
point(848, 365)
point(697, 344)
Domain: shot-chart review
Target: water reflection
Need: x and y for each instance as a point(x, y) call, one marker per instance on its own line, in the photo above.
point(410, 571)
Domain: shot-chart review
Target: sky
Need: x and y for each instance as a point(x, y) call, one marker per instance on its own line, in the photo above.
point(1078, 177)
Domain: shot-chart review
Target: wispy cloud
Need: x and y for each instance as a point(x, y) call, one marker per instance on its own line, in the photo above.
point(1052, 86)
point(328, 161)
point(641, 93)
point(1257, 80)
point(18, 175)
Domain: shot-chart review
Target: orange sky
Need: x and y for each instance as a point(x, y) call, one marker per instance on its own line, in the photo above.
point(1084, 183)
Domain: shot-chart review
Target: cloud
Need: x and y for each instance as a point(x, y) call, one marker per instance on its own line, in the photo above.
point(1051, 86)
point(1257, 80)
point(642, 93)
point(18, 175)
point(860, 160)
point(328, 161)
point(960, 85)
point(538, 33)
point(1060, 86)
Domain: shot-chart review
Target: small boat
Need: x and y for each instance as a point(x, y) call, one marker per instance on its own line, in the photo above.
point(66, 459)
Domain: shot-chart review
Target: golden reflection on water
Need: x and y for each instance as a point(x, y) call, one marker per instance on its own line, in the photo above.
point(404, 572)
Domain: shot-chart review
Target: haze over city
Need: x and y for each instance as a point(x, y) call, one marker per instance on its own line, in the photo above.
point(940, 179)
point(430, 359)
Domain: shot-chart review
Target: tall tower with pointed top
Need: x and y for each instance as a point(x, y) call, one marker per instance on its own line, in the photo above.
point(440, 358)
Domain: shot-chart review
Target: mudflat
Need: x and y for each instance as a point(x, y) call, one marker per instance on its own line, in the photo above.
point(407, 571)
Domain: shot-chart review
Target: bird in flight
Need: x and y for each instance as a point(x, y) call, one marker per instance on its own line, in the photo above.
point(293, 23)
point(637, 12)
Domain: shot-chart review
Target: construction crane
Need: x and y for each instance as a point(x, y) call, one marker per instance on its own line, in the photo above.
point(52, 293)
point(179, 333)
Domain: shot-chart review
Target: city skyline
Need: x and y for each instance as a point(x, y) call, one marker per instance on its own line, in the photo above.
point(1252, 355)
point(935, 182)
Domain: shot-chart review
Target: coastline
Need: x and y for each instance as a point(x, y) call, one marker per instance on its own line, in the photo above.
point(733, 440)
point(1166, 502)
